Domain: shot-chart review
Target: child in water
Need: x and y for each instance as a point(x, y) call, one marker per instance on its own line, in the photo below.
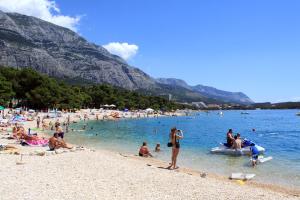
point(157, 148)
point(254, 153)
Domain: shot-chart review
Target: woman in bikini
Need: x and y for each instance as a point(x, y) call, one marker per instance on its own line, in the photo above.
point(175, 136)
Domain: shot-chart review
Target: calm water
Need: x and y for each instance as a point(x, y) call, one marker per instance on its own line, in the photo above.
point(277, 131)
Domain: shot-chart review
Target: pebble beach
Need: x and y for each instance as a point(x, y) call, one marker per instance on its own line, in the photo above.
point(100, 174)
point(106, 175)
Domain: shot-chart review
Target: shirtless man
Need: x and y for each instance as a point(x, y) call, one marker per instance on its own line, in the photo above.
point(55, 143)
point(237, 143)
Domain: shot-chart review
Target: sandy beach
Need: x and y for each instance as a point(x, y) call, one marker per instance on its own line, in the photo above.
point(101, 174)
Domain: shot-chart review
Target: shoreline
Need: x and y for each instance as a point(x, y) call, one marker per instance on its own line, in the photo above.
point(110, 175)
point(152, 163)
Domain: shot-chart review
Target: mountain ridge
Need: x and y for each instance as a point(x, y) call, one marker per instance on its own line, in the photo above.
point(210, 92)
point(27, 41)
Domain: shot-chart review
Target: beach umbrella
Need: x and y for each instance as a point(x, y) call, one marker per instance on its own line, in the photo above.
point(149, 110)
point(31, 111)
point(112, 105)
point(106, 105)
point(1, 108)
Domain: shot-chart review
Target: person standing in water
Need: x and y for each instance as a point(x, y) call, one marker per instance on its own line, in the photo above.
point(175, 136)
point(254, 153)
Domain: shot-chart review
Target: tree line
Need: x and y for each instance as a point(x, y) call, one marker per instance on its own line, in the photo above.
point(34, 90)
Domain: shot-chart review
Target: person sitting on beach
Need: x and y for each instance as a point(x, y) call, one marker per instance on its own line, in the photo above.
point(15, 131)
point(237, 143)
point(254, 153)
point(229, 138)
point(144, 151)
point(59, 131)
point(157, 148)
point(55, 143)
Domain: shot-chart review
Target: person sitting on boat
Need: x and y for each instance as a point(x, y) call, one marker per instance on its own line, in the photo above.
point(230, 138)
point(144, 151)
point(237, 143)
point(254, 153)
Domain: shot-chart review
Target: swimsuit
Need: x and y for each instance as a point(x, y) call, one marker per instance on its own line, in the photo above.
point(255, 152)
point(177, 144)
point(61, 134)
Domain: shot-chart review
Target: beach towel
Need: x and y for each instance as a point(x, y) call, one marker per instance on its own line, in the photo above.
point(37, 143)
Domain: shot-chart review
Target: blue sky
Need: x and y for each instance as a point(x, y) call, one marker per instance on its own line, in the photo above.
point(251, 46)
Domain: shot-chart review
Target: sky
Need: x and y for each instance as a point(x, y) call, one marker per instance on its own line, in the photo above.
point(251, 46)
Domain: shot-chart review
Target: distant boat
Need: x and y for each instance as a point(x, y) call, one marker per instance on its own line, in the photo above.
point(245, 113)
point(298, 114)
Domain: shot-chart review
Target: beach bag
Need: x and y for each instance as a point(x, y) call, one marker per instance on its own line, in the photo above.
point(169, 144)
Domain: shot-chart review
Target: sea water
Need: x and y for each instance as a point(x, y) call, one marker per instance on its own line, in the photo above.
point(278, 131)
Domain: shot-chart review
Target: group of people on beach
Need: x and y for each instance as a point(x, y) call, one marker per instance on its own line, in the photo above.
point(174, 137)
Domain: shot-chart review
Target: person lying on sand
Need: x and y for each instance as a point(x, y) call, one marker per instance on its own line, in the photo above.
point(144, 151)
point(19, 133)
point(4, 147)
point(55, 143)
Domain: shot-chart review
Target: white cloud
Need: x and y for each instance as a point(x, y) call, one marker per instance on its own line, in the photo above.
point(123, 50)
point(295, 99)
point(43, 9)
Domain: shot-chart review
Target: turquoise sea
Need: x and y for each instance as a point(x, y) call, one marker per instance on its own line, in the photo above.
point(276, 130)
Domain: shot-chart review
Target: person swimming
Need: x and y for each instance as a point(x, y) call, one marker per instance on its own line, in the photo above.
point(157, 148)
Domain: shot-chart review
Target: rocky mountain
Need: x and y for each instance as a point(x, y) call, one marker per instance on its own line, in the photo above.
point(175, 82)
point(59, 52)
point(30, 42)
point(210, 92)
